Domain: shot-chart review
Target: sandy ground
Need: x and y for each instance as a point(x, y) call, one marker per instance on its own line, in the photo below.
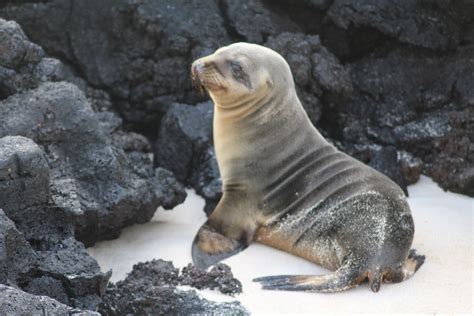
point(444, 284)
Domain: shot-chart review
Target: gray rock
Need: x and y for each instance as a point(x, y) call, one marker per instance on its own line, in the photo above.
point(151, 289)
point(18, 59)
point(410, 167)
point(330, 74)
point(423, 130)
point(218, 277)
point(38, 251)
point(90, 177)
point(298, 49)
point(382, 158)
point(453, 164)
point(252, 22)
point(315, 69)
point(138, 51)
point(24, 174)
point(17, 302)
point(426, 24)
point(407, 61)
point(16, 255)
point(16, 49)
point(184, 146)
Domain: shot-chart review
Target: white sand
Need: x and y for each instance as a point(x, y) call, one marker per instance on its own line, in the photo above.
point(444, 284)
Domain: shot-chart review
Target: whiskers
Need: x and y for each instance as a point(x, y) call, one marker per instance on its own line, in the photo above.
point(207, 80)
point(198, 85)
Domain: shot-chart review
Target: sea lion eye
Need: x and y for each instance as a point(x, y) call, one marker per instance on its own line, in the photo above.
point(236, 70)
point(239, 74)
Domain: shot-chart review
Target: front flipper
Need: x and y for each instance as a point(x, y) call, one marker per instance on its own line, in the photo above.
point(229, 230)
point(210, 247)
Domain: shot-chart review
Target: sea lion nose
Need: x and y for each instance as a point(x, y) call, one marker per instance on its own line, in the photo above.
point(197, 68)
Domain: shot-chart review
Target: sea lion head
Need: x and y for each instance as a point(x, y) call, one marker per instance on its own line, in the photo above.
point(241, 72)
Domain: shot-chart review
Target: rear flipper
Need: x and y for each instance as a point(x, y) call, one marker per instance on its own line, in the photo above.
point(408, 268)
point(344, 278)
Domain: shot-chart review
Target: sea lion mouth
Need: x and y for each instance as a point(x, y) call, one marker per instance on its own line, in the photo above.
point(206, 78)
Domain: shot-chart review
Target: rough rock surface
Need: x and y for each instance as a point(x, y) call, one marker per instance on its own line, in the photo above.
point(90, 177)
point(17, 302)
point(151, 289)
point(97, 171)
point(252, 21)
point(379, 74)
point(219, 277)
point(429, 24)
point(39, 253)
point(453, 166)
point(184, 146)
point(315, 69)
point(66, 173)
point(139, 51)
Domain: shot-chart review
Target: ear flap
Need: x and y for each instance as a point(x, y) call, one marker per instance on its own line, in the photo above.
point(270, 83)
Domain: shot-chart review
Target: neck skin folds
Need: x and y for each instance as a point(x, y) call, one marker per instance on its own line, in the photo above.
point(247, 130)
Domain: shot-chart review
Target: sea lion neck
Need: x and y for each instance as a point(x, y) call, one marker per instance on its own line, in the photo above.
point(244, 138)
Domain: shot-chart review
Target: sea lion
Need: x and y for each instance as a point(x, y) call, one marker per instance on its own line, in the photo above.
point(285, 186)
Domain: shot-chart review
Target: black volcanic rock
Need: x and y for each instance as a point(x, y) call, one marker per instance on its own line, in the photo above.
point(39, 252)
point(315, 70)
point(17, 255)
point(90, 178)
point(66, 172)
point(410, 167)
point(251, 21)
point(18, 59)
point(17, 302)
point(24, 173)
point(218, 277)
point(429, 24)
point(453, 166)
point(385, 159)
point(184, 146)
point(138, 51)
point(385, 73)
point(151, 289)
point(183, 128)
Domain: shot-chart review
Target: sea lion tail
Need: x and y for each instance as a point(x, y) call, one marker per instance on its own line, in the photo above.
point(345, 278)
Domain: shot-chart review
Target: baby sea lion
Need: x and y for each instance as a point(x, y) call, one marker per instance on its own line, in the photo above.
point(285, 186)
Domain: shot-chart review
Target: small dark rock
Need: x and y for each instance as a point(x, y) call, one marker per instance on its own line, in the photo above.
point(410, 167)
point(151, 289)
point(219, 277)
point(385, 160)
point(453, 166)
point(153, 273)
point(382, 158)
point(185, 131)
